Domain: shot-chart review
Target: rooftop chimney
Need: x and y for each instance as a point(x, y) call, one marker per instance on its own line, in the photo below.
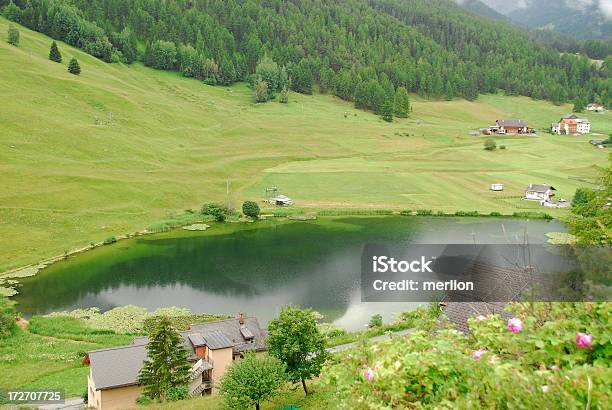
point(241, 318)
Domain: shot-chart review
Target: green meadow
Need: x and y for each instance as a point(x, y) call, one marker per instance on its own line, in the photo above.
point(120, 147)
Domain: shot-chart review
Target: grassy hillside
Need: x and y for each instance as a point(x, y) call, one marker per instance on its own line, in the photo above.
point(120, 147)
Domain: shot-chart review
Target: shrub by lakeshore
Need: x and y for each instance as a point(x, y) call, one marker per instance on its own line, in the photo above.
point(218, 211)
point(134, 319)
point(548, 356)
point(109, 240)
point(251, 209)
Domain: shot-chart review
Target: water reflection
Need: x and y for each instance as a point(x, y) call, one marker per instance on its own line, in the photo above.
point(254, 268)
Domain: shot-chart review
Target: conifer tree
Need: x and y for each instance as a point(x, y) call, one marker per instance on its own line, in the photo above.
point(402, 103)
point(74, 67)
point(54, 53)
point(387, 110)
point(283, 97)
point(166, 368)
point(13, 35)
point(261, 91)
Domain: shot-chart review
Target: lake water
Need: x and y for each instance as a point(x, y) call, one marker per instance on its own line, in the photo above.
point(255, 268)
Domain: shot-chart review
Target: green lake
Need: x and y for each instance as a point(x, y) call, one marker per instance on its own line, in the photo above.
point(255, 268)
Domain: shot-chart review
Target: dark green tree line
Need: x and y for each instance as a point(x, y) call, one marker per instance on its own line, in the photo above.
point(359, 50)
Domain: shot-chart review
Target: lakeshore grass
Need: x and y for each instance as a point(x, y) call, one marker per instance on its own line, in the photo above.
point(41, 361)
point(122, 148)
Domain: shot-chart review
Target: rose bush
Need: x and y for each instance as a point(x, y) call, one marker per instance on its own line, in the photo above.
point(550, 356)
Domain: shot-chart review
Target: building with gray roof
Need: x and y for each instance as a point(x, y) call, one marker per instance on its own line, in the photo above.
point(211, 347)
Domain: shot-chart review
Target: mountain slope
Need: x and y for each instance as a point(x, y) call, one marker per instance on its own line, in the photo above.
point(433, 48)
point(480, 8)
point(591, 19)
point(120, 147)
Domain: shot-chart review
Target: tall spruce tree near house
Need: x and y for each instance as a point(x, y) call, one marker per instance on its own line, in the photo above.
point(13, 35)
point(295, 340)
point(167, 368)
point(74, 67)
point(54, 53)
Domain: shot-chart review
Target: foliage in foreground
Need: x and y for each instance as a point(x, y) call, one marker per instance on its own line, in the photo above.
point(548, 356)
point(591, 218)
point(294, 339)
point(251, 381)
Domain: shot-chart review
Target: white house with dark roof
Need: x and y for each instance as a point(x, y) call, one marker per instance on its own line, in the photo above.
point(539, 192)
point(112, 382)
point(595, 107)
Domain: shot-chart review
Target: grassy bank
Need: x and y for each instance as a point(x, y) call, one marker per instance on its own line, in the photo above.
point(119, 148)
point(52, 360)
point(47, 352)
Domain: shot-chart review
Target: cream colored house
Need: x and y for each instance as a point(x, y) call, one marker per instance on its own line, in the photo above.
point(539, 192)
point(113, 376)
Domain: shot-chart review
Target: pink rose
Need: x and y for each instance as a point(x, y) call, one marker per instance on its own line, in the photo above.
point(515, 325)
point(369, 374)
point(584, 340)
point(477, 354)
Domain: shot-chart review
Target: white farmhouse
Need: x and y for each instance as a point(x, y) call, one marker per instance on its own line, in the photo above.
point(539, 192)
point(571, 125)
point(595, 107)
point(583, 126)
